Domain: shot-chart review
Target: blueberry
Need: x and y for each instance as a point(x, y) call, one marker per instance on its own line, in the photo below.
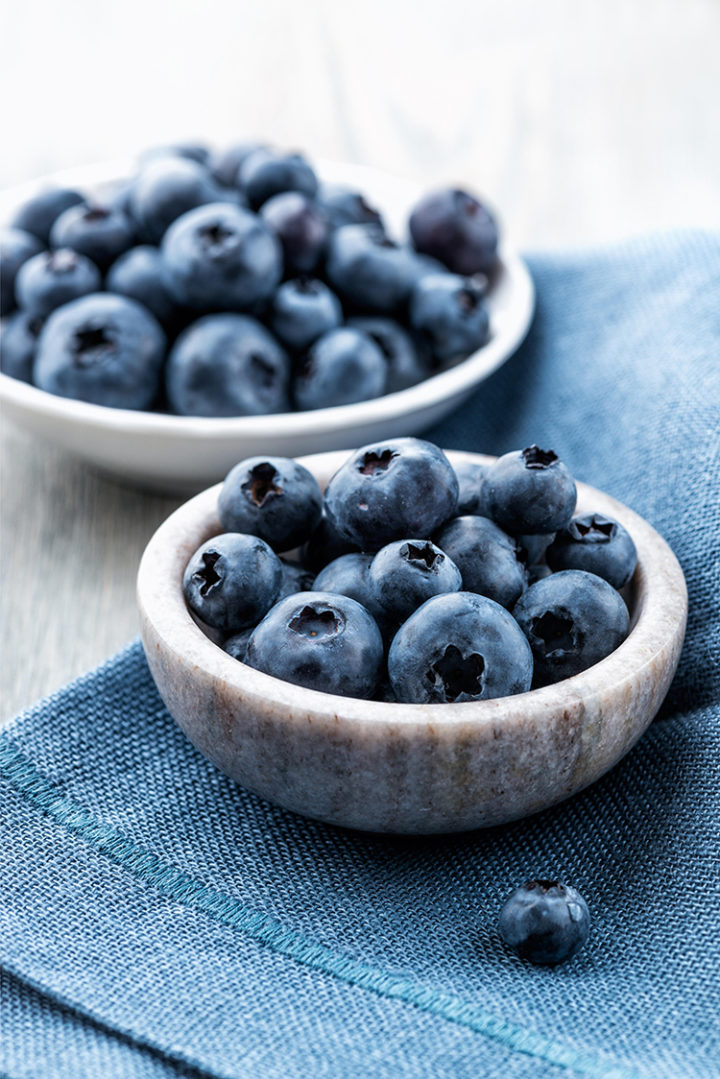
point(388, 490)
point(597, 544)
point(166, 189)
point(232, 581)
point(369, 269)
point(268, 172)
point(345, 206)
point(275, 498)
point(531, 549)
point(325, 545)
point(486, 557)
point(225, 164)
point(342, 367)
point(186, 151)
point(295, 578)
point(301, 226)
point(18, 344)
point(545, 921)
point(227, 365)
point(459, 647)
point(236, 646)
point(16, 247)
point(572, 620)
point(407, 363)
point(407, 572)
point(348, 575)
point(531, 491)
point(221, 257)
point(472, 498)
point(302, 310)
point(448, 311)
point(321, 641)
point(38, 215)
point(140, 274)
point(104, 349)
point(452, 226)
point(52, 278)
point(101, 233)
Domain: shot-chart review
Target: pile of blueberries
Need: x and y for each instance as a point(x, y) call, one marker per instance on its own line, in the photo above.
point(409, 580)
point(234, 284)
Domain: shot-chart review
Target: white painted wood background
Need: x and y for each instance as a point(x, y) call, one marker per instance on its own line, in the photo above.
point(584, 121)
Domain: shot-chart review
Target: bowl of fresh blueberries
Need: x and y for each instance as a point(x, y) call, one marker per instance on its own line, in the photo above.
point(407, 640)
point(164, 318)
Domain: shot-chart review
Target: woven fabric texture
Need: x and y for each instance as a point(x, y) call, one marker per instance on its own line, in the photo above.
point(156, 920)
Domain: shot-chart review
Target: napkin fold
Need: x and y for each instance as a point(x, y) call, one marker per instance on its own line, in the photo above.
point(156, 920)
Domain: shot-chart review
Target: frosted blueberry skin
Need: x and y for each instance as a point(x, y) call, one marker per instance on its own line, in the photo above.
point(368, 269)
point(52, 278)
point(188, 151)
point(388, 490)
point(38, 214)
point(408, 572)
point(103, 349)
point(232, 581)
point(459, 647)
point(452, 226)
point(407, 363)
point(321, 641)
point(295, 578)
point(272, 497)
point(531, 491)
point(101, 233)
point(16, 247)
point(345, 206)
point(325, 545)
point(349, 575)
point(472, 498)
point(225, 164)
point(597, 544)
point(266, 172)
point(303, 309)
point(545, 922)
point(221, 257)
point(300, 225)
point(342, 367)
point(166, 188)
point(486, 557)
point(140, 274)
point(449, 313)
point(236, 646)
point(18, 344)
point(572, 620)
point(227, 365)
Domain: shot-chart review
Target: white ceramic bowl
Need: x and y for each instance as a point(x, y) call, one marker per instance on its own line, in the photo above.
point(406, 767)
point(181, 453)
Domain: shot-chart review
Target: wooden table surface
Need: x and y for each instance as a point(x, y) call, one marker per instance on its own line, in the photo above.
point(584, 123)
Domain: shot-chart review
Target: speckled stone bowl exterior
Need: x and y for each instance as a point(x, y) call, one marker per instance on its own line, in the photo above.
point(398, 767)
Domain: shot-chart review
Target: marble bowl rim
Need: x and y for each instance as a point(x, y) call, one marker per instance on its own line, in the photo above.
point(658, 615)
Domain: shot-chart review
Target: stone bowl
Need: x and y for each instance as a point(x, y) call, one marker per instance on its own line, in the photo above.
point(409, 768)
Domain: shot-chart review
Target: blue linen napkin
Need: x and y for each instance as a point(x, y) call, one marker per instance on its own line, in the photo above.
point(156, 920)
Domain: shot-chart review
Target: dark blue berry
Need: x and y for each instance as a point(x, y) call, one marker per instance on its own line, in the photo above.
point(572, 620)
point(295, 578)
point(221, 257)
point(545, 922)
point(186, 151)
point(227, 365)
point(531, 491)
point(486, 557)
point(389, 490)
point(52, 278)
point(408, 572)
point(104, 349)
point(18, 345)
point(232, 581)
point(101, 233)
point(225, 164)
point(166, 189)
point(275, 498)
point(597, 544)
point(300, 225)
point(368, 269)
point(268, 172)
point(38, 215)
point(325, 545)
point(452, 226)
point(342, 367)
point(459, 647)
point(345, 206)
point(449, 313)
point(531, 549)
point(407, 363)
point(472, 498)
point(236, 646)
point(302, 310)
point(321, 641)
point(16, 247)
point(348, 575)
point(140, 274)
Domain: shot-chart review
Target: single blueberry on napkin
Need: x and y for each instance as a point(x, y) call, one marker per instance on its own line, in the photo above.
point(158, 921)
